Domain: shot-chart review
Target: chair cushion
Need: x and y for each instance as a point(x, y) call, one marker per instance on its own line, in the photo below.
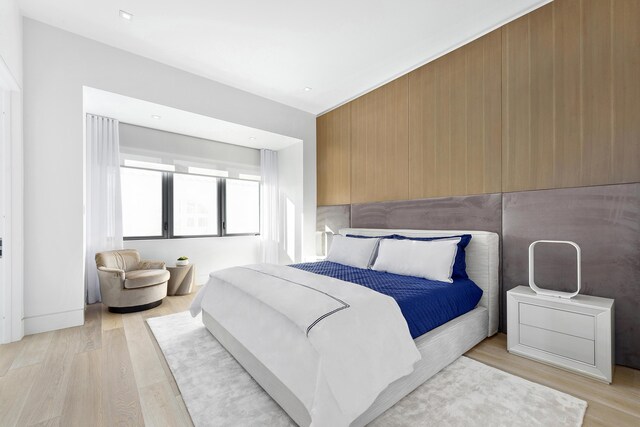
point(143, 278)
point(124, 259)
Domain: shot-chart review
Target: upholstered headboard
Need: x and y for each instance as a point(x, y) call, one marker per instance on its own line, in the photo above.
point(481, 257)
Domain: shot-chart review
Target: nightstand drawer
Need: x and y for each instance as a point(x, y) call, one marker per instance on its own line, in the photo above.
point(569, 346)
point(565, 322)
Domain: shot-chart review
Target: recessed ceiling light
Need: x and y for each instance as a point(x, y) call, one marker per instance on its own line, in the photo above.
point(307, 89)
point(156, 117)
point(126, 15)
point(253, 138)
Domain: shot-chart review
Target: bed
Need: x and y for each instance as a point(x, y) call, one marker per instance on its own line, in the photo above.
point(437, 348)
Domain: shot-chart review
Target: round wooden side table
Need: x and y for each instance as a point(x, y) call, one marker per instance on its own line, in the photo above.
point(181, 279)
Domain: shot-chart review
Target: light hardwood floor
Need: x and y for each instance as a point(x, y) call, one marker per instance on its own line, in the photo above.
point(108, 372)
point(111, 372)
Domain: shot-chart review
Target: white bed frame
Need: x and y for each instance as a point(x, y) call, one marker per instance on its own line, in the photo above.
point(439, 347)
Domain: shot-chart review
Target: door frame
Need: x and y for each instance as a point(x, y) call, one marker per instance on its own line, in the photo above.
point(11, 220)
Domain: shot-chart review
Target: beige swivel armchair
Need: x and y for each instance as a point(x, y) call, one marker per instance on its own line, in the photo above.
point(129, 284)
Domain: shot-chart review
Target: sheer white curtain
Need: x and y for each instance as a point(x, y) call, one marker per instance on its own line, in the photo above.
point(104, 202)
point(269, 205)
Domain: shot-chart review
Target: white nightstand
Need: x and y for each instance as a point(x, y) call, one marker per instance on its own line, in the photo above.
point(574, 334)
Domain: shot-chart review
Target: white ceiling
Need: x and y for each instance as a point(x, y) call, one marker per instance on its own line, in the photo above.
point(138, 112)
point(276, 48)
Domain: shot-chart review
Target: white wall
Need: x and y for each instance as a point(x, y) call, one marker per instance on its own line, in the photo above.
point(290, 173)
point(11, 37)
point(11, 286)
point(56, 66)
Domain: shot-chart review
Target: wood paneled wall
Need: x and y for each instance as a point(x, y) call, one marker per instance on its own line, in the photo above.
point(455, 122)
point(334, 157)
point(571, 95)
point(380, 144)
point(550, 100)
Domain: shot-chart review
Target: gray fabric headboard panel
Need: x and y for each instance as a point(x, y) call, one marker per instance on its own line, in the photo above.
point(333, 218)
point(480, 212)
point(605, 222)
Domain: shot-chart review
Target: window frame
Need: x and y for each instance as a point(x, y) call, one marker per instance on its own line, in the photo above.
point(170, 208)
point(167, 208)
point(223, 206)
point(165, 231)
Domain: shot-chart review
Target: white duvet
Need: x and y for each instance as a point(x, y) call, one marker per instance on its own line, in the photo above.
point(336, 345)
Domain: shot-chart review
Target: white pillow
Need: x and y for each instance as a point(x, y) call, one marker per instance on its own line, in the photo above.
point(431, 259)
point(352, 251)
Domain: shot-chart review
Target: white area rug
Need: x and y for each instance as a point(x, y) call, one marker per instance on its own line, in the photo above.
point(218, 392)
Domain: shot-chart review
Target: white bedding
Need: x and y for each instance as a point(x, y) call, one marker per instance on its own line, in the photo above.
point(349, 342)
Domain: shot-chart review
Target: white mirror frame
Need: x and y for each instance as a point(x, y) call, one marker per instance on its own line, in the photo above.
point(549, 292)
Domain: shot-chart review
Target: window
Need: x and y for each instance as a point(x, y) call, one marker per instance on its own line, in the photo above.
point(142, 202)
point(164, 205)
point(242, 207)
point(195, 205)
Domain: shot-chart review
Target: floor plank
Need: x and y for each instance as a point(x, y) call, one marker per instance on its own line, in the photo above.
point(53, 422)
point(167, 307)
point(46, 400)
point(146, 364)
point(8, 354)
point(110, 320)
point(121, 401)
point(91, 333)
point(34, 350)
point(627, 380)
point(14, 390)
point(163, 362)
point(602, 414)
point(185, 411)
point(83, 400)
point(160, 407)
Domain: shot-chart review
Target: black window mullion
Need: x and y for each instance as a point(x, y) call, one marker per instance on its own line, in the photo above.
point(168, 211)
point(167, 204)
point(222, 210)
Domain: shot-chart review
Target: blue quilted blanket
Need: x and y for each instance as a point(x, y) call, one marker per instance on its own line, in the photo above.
point(425, 304)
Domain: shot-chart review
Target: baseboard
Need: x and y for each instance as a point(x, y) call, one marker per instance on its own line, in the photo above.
point(52, 322)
